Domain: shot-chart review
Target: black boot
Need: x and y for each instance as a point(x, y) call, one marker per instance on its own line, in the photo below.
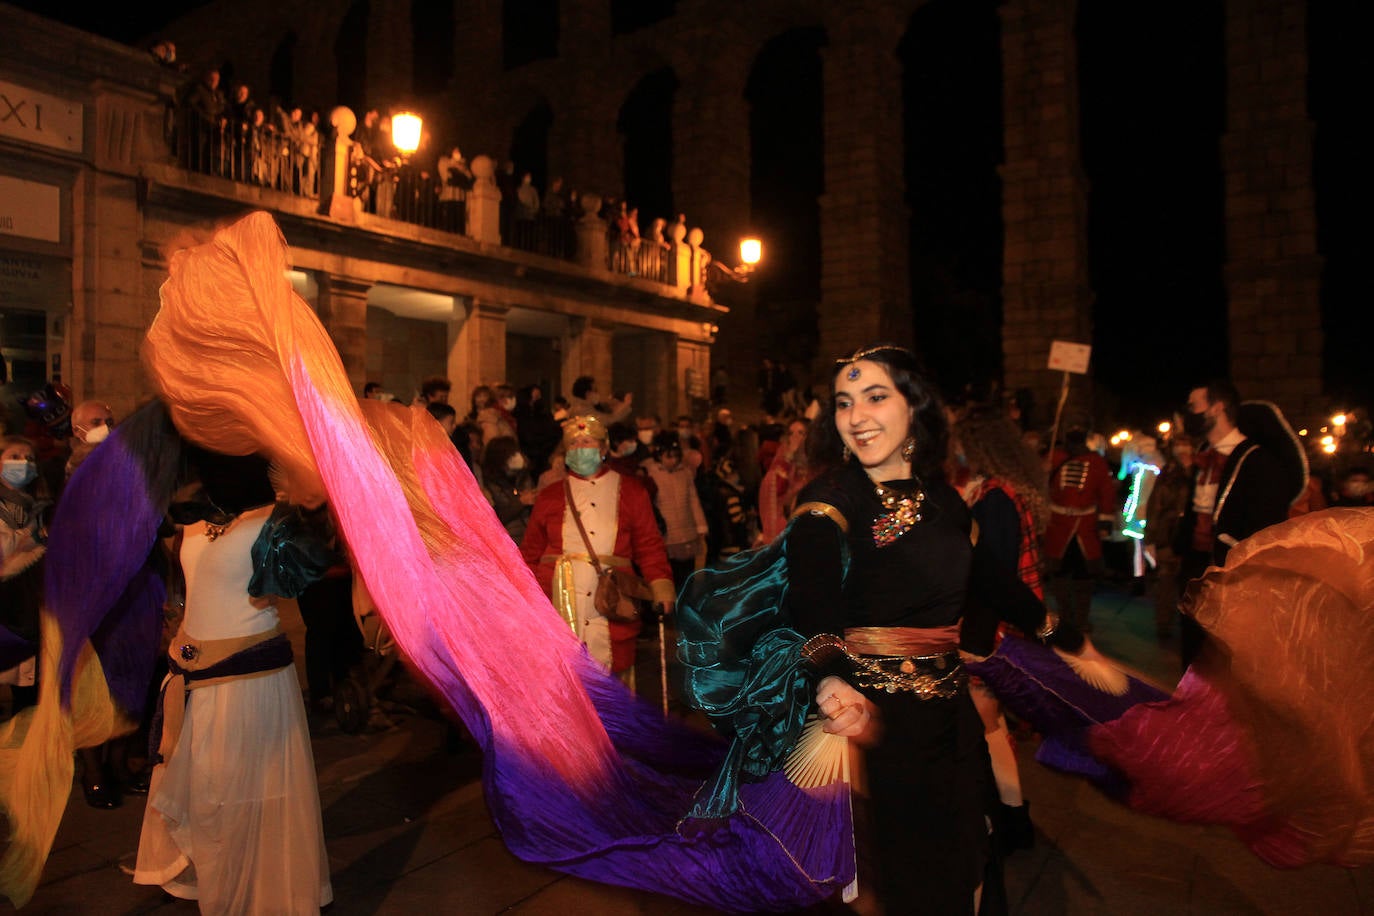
point(1014, 828)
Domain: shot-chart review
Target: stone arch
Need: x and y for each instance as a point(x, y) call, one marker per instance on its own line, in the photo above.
point(952, 137)
point(1156, 211)
point(350, 55)
point(645, 124)
point(529, 31)
point(281, 70)
point(785, 94)
point(529, 144)
point(431, 37)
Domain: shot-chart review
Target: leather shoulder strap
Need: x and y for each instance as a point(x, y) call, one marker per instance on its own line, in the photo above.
point(577, 517)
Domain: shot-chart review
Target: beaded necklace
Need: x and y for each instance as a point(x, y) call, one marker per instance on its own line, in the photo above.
point(903, 511)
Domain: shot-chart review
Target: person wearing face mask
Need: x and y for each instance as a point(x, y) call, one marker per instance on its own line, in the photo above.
point(91, 425)
point(625, 458)
point(617, 515)
point(1238, 488)
point(507, 484)
point(24, 516)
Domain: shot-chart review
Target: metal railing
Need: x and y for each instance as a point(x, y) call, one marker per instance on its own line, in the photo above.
point(265, 155)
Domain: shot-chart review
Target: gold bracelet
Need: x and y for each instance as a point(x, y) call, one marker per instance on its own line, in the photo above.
point(820, 647)
point(1048, 628)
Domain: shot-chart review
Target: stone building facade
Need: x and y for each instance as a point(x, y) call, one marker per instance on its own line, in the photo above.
point(93, 201)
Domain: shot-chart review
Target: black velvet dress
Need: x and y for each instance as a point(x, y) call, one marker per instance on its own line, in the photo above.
point(929, 777)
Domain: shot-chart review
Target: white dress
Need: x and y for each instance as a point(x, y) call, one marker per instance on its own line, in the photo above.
point(233, 817)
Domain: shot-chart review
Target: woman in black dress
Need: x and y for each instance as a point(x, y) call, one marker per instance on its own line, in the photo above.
point(881, 559)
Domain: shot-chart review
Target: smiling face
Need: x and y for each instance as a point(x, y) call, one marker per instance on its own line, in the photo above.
point(873, 419)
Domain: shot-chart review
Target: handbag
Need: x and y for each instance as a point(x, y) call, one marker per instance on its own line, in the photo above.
point(613, 586)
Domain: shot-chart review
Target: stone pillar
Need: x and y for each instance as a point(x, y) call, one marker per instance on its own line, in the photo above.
point(587, 351)
point(1273, 270)
point(865, 282)
point(477, 348)
point(335, 199)
point(591, 233)
point(390, 52)
point(343, 312)
point(484, 203)
point(1045, 293)
point(680, 259)
point(98, 337)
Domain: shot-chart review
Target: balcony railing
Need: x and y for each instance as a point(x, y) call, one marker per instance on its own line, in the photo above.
point(283, 159)
point(287, 158)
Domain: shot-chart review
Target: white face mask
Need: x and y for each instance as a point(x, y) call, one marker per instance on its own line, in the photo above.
point(516, 463)
point(97, 434)
point(508, 404)
point(627, 449)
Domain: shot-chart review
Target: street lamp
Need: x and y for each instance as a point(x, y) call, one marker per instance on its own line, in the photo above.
point(405, 132)
point(750, 253)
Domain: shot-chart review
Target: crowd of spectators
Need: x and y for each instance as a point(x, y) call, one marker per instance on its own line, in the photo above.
point(277, 144)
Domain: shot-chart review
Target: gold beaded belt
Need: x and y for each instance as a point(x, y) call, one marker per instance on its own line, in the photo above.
point(902, 640)
point(929, 677)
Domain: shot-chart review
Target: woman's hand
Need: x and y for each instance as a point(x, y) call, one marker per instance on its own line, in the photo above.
point(849, 712)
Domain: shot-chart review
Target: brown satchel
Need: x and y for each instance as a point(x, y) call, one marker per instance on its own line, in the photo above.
point(614, 587)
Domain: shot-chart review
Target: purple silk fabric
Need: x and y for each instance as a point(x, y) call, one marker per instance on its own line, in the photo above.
point(1036, 685)
point(102, 534)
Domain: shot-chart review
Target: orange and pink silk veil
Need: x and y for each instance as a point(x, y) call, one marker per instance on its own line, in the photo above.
point(579, 774)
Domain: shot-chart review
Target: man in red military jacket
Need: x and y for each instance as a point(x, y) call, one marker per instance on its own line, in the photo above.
point(618, 517)
point(1082, 495)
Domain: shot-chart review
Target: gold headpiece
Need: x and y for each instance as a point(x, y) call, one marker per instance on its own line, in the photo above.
point(583, 426)
point(866, 352)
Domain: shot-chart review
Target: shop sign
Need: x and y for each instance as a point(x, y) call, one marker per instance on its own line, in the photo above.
point(30, 209)
point(36, 117)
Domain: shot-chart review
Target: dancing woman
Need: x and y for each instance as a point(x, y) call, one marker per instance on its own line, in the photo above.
point(880, 563)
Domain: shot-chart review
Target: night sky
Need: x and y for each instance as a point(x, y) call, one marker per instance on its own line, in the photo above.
point(1149, 142)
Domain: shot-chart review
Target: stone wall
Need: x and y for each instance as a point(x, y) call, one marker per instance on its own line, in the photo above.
point(1045, 292)
point(1273, 270)
point(401, 352)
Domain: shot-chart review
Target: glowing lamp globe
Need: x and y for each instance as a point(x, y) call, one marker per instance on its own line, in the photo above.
point(750, 252)
point(405, 131)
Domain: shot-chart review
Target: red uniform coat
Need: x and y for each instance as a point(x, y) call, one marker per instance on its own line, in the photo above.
point(636, 539)
point(1082, 490)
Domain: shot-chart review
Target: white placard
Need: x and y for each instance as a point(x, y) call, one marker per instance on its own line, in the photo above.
point(30, 209)
point(1070, 357)
point(36, 117)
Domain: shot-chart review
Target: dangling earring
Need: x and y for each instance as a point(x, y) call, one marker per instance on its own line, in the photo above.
point(908, 449)
point(845, 453)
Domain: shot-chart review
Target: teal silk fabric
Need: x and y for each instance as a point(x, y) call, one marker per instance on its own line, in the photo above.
point(292, 552)
point(744, 667)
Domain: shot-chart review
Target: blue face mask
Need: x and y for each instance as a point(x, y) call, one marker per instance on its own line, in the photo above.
point(583, 461)
point(19, 474)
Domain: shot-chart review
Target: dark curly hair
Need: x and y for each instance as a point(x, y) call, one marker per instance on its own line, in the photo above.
point(825, 449)
point(992, 444)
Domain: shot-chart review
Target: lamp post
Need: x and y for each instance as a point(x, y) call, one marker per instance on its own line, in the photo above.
point(750, 253)
point(405, 132)
point(405, 136)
